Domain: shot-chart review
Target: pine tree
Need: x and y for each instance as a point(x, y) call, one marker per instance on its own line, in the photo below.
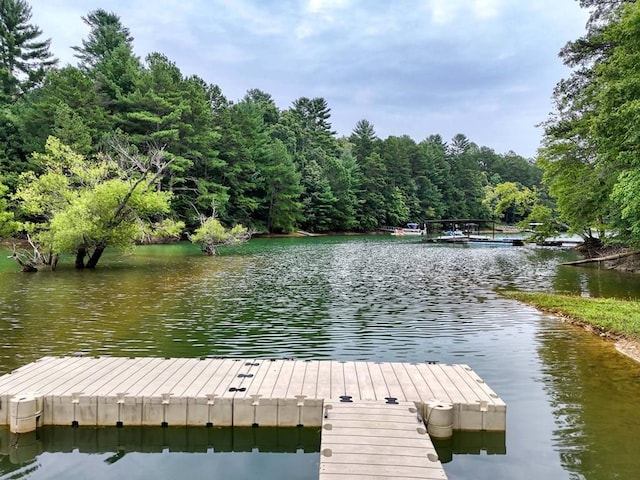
point(107, 34)
point(24, 60)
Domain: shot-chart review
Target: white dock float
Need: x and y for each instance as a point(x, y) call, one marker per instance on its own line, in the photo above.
point(374, 439)
point(108, 391)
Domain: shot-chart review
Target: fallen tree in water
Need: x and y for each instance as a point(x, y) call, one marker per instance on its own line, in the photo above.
point(606, 258)
point(29, 261)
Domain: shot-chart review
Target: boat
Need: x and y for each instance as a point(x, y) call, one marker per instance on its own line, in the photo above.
point(456, 236)
point(451, 236)
point(516, 242)
point(410, 229)
point(466, 230)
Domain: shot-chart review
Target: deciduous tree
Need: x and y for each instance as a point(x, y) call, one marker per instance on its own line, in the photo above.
point(211, 234)
point(83, 206)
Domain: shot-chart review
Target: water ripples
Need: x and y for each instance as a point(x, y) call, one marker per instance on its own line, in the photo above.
point(371, 299)
point(374, 298)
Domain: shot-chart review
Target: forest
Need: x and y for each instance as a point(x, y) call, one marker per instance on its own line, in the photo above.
point(119, 149)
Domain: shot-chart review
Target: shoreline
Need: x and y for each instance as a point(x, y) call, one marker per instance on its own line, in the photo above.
point(629, 347)
point(578, 311)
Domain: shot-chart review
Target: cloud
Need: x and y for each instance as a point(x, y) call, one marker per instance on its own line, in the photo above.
point(481, 67)
point(326, 6)
point(487, 9)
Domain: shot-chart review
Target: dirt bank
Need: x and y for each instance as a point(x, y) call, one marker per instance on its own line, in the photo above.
point(630, 348)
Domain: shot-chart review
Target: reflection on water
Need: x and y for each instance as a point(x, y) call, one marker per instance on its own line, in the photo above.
point(470, 443)
point(594, 401)
point(348, 298)
point(229, 453)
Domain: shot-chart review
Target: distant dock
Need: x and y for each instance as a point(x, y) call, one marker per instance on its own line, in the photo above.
point(358, 405)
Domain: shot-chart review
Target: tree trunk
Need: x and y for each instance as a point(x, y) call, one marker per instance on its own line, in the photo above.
point(26, 267)
point(607, 258)
point(80, 254)
point(95, 257)
point(210, 249)
point(54, 261)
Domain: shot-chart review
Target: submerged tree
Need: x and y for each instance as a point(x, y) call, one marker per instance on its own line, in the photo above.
point(83, 206)
point(212, 234)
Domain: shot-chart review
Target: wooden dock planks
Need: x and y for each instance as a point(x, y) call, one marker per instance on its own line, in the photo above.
point(224, 391)
point(376, 440)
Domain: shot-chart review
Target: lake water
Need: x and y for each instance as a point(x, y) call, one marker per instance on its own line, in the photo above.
point(572, 399)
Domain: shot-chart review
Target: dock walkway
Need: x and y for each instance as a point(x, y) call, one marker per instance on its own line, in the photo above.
point(366, 439)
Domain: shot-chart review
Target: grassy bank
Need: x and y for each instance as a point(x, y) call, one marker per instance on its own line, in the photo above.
point(609, 315)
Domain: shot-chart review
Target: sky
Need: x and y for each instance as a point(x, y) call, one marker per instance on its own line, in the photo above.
point(483, 68)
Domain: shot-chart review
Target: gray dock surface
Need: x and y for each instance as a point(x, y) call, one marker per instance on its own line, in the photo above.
point(374, 411)
point(224, 392)
point(376, 440)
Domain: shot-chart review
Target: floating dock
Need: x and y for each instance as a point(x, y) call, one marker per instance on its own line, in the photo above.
point(362, 403)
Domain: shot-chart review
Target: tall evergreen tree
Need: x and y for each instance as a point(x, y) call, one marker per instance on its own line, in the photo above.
point(168, 110)
point(314, 149)
point(342, 174)
point(314, 129)
point(24, 58)
point(399, 155)
point(363, 138)
point(106, 35)
point(107, 56)
point(68, 107)
point(280, 206)
point(434, 152)
point(373, 205)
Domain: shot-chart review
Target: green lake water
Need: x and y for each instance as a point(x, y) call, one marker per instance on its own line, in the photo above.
point(572, 399)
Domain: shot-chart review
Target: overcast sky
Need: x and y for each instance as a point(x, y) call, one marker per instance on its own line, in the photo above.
point(484, 68)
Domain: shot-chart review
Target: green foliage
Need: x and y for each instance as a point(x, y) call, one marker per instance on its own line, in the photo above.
point(68, 107)
point(79, 205)
point(106, 35)
point(319, 203)
point(546, 226)
point(281, 207)
point(373, 207)
point(7, 223)
point(95, 218)
point(363, 139)
point(342, 173)
point(625, 197)
point(166, 230)
point(401, 157)
point(24, 59)
point(509, 202)
point(164, 108)
point(581, 190)
point(212, 234)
